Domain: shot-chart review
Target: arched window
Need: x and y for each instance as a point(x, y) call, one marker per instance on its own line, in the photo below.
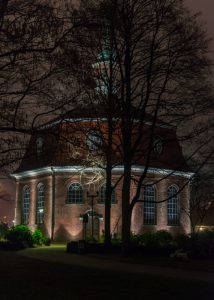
point(102, 195)
point(149, 205)
point(158, 145)
point(26, 205)
point(75, 193)
point(39, 145)
point(40, 204)
point(94, 140)
point(172, 206)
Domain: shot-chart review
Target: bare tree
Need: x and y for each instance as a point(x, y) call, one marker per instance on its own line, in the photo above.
point(201, 202)
point(139, 61)
point(156, 65)
point(31, 90)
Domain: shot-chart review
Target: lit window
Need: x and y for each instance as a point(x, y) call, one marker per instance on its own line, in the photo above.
point(149, 205)
point(172, 206)
point(26, 205)
point(40, 204)
point(102, 195)
point(94, 140)
point(75, 193)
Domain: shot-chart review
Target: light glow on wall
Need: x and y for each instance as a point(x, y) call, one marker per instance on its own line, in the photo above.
point(78, 169)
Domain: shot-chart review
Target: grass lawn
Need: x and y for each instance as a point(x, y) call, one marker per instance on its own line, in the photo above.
point(57, 253)
point(24, 277)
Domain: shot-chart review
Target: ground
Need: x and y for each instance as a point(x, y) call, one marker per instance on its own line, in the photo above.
point(51, 273)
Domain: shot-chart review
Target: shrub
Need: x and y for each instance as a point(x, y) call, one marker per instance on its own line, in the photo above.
point(182, 241)
point(206, 237)
point(163, 238)
point(38, 238)
point(202, 244)
point(91, 239)
point(102, 237)
point(3, 231)
point(135, 239)
point(6, 245)
point(72, 247)
point(46, 241)
point(115, 239)
point(20, 233)
point(159, 242)
point(148, 240)
point(197, 244)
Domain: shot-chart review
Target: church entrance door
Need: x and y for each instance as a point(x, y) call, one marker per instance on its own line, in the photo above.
point(91, 225)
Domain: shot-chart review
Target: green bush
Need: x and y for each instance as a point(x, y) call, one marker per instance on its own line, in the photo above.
point(135, 239)
point(205, 237)
point(197, 244)
point(8, 246)
point(91, 239)
point(38, 238)
point(3, 231)
point(158, 239)
point(46, 241)
point(20, 234)
point(202, 243)
point(102, 237)
point(148, 240)
point(163, 238)
point(182, 241)
point(158, 242)
point(115, 239)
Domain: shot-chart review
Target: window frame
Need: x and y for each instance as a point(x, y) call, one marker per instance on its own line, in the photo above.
point(69, 196)
point(101, 196)
point(158, 145)
point(39, 213)
point(151, 205)
point(40, 145)
point(175, 211)
point(94, 140)
point(26, 210)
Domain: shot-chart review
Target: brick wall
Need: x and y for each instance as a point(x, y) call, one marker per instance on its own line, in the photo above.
point(68, 224)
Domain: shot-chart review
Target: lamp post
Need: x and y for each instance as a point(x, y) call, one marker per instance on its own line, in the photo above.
point(92, 196)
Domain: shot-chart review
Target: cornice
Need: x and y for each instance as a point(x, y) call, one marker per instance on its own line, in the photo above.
point(118, 169)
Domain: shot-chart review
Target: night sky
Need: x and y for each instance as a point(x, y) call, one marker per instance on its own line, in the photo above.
point(207, 8)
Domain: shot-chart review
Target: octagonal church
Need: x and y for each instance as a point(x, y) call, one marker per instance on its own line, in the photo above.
point(60, 184)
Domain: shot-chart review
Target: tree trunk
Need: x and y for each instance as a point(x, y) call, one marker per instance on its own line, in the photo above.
point(108, 193)
point(108, 206)
point(126, 213)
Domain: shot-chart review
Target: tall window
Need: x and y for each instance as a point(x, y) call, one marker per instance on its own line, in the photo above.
point(39, 145)
point(149, 205)
point(102, 195)
point(75, 193)
point(26, 205)
point(40, 204)
point(94, 140)
point(172, 206)
point(158, 145)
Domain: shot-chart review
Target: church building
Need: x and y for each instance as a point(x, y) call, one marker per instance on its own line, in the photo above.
point(60, 185)
point(61, 181)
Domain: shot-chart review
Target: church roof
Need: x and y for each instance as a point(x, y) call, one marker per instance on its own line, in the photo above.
point(63, 142)
point(95, 112)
